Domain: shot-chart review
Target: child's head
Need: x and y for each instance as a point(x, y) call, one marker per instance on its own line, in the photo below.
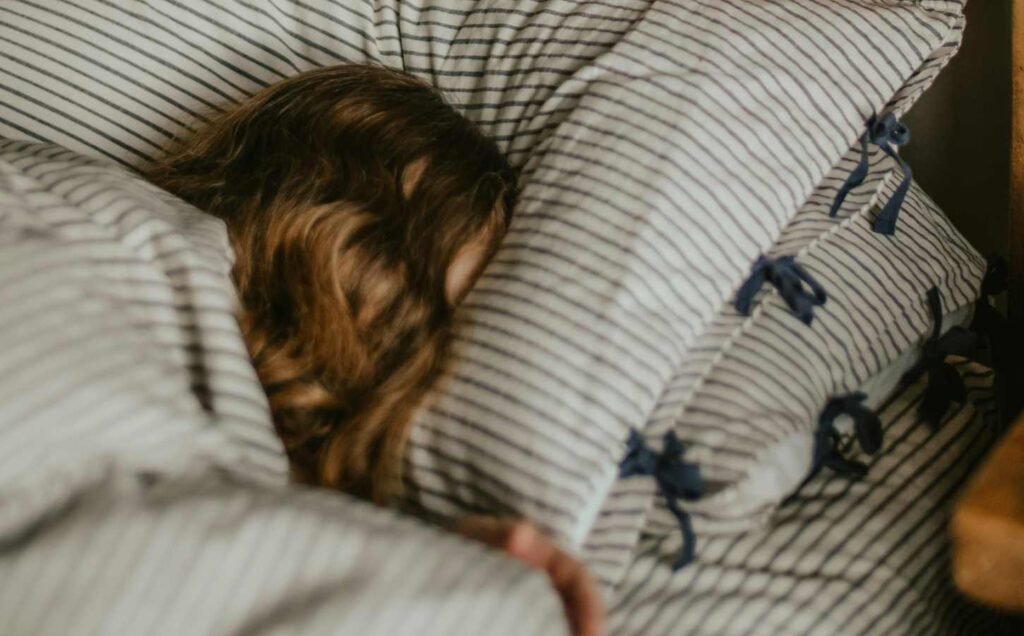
point(361, 208)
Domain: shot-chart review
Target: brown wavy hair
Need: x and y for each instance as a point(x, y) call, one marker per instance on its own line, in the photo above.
point(347, 193)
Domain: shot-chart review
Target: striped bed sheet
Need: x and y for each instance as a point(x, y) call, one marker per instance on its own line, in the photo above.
point(839, 558)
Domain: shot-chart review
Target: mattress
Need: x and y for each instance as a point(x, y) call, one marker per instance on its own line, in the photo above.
point(841, 557)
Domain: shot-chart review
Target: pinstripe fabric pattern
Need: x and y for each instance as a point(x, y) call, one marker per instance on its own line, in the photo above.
point(204, 557)
point(876, 311)
point(747, 399)
point(162, 269)
point(840, 558)
point(626, 511)
point(629, 237)
point(664, 144)
point(140, 478)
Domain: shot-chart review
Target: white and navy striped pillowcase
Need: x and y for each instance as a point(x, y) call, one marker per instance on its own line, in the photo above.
point(716, 401)
point(841, 558)
point(626, 510)
point(640, 213)
point(555, 380)
point(747, 413)
point(120, 81)
point(877, 309)
point(813, 221)
point(140, 477)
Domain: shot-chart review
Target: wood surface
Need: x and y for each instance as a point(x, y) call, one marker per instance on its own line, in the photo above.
point(988, 528)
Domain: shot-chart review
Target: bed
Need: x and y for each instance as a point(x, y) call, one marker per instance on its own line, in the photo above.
point(810, 571)
point(839, 558)
point(836, 557)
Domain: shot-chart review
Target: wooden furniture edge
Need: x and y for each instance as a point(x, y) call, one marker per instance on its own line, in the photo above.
point(987, 528)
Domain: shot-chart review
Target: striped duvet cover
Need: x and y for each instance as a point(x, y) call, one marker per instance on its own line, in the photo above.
point(142, 487)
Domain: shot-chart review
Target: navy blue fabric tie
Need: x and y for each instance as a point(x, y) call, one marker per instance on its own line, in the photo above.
point(992, 327)
point(885, 132)
point(827, 440)
point(675, 478)
point(787, 276)
point(945, 385)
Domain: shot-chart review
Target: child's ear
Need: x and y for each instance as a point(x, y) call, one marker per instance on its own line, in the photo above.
point(411, 176)
point(466, 267)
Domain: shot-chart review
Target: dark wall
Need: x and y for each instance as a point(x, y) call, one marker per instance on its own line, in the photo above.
point(960, 130)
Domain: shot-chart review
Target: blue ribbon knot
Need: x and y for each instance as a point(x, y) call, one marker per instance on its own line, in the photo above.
point(827, 440)
point(675, 478)
point(991, 327)
point(789, 278)
point(945, 385)
point(885, 132)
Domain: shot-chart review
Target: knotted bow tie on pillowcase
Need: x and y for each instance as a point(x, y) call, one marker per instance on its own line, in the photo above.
point(675, 479)
point(867, 430)
point(945, 385)
point(789, 278)
point(991, 326)
point(884, 131)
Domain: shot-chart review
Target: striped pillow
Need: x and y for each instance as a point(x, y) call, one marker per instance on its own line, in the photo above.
point(746, 402)
point(663, 146)
point(683, 152)
point(610, 543)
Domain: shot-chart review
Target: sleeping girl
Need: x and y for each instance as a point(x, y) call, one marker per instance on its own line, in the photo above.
point(361, 209)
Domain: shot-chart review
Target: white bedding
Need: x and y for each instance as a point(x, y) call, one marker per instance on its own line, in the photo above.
point(840, 558)
point(142, 488)
point(664, 144)
point(138, 490)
